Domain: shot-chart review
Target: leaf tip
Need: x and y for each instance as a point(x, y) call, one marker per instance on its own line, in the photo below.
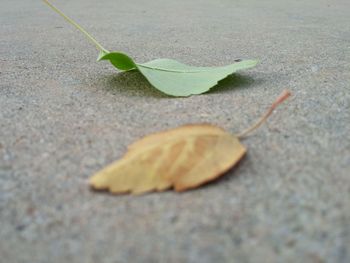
point(97, 182)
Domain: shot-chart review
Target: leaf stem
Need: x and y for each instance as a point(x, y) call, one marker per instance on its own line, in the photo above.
point(284, 95)
point(98, 45)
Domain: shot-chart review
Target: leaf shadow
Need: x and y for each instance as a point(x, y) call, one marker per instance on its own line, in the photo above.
point(133, 83)
point(234, 82)
point(130, 83)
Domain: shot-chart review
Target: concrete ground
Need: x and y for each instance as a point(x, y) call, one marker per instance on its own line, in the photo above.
point(64, 116)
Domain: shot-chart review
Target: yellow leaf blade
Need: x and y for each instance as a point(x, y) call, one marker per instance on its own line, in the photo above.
point(225, 152)
point(183, 158)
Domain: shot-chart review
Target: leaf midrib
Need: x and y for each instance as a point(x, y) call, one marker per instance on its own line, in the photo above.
point(173, 70)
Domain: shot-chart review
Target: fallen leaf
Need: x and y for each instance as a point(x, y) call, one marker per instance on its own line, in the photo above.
point(174, 78)
point(167, 75)
point(183, 158)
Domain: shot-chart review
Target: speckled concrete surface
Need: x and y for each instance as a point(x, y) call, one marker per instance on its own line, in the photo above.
point(63, 116)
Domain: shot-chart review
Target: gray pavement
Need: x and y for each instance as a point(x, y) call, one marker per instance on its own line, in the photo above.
point(64, 116)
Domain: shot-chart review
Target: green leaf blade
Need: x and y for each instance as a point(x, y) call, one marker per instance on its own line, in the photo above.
point(119, 60)
point(180, 80)
point(174, 78)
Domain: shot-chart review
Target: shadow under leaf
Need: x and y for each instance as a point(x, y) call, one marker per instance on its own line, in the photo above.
point(133, 83)
point(234, 81)
point(130, 83)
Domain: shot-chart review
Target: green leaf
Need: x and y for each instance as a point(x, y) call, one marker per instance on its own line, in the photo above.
point(167, 75)
point(177, 79)
point(174, 78)
point(119, 60)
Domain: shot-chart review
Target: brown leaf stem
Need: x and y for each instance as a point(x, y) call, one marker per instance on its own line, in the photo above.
point(284, 95)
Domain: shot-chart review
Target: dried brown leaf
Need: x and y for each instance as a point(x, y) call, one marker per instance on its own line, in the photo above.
point(183, 158)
